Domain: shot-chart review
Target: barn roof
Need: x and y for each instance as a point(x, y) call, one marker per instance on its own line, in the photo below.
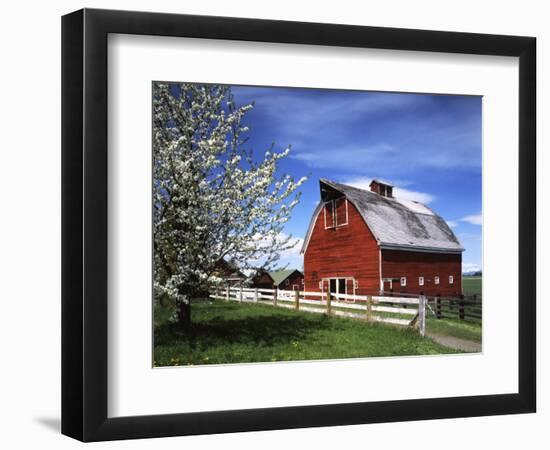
point(278, 276)
point(395, 223)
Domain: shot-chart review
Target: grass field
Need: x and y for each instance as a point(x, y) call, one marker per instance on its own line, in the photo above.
point(236, 333)
point(471, 285)
point(454, 327)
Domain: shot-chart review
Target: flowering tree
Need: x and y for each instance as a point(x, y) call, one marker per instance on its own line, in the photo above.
point(212, 199)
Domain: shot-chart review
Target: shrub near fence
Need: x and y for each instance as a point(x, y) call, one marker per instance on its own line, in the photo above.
point(366, 307)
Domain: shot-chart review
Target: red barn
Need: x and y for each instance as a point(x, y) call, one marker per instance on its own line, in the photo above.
point(364, 242)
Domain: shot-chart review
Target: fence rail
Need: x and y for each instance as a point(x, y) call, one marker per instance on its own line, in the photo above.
point(372, 308)
point(452, 308)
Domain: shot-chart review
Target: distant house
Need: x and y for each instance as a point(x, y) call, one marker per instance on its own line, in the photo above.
point(289, 280)
point(365, 242)
point(228, 274)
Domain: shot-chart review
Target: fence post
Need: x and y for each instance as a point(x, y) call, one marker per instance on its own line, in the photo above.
point(275, 297)
point(369, 308)
point(461, 309)
point(240, 293)
point(422, 315)
point(329, 307)
point(227, 293)
point(438, 306)
point(297, 300)
point(255, 295)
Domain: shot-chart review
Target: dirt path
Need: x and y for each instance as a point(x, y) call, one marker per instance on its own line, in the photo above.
point(456, 343)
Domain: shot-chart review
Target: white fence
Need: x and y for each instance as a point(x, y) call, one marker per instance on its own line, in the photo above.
point(366, 307)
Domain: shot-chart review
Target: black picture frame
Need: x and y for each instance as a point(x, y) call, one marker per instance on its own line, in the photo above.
point(84, 224)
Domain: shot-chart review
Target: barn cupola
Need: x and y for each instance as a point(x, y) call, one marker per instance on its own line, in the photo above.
point(382, 188)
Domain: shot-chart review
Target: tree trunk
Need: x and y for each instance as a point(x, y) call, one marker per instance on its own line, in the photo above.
point(184, 315)
point(184, 309)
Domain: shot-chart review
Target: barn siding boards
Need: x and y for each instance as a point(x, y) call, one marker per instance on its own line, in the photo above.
point(344, 251)
point(410, 264)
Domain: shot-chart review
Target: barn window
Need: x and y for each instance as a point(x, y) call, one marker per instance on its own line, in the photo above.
point(287, 282)
point(336, 213)
point(342, 288)
point(321, 285)
point(420, 281)
point(403, 281)
point(451, 279)
point(337, 286)
point(436, 280)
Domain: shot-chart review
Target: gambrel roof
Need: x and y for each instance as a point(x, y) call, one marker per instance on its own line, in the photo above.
point(395, 224)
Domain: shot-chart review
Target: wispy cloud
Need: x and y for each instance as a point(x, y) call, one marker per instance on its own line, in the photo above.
point(290, 257)
point(474, 219)
point(428, 145)
point(398, 192)
point(348, 130)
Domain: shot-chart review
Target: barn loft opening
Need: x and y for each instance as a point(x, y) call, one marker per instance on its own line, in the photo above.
point(328, 192)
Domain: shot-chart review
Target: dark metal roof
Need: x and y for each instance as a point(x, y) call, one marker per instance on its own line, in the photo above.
point(395, 223)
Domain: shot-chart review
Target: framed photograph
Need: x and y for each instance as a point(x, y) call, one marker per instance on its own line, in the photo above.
point(273, 224)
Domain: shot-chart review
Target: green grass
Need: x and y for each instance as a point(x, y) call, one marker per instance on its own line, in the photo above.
point(471, 285)
point(236, 333)
point(454, 327)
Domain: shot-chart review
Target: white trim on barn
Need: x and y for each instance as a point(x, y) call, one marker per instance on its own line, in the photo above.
point(380, 268)
point(325, 214)
point(336, 215)
point(334, 212)
point(413, 248)
point(326, 280)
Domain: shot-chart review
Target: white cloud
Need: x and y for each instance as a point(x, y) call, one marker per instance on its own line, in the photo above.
point(290, 257)
point(322, 126)
point(452, 223)
point(474, 219)
point(470, 267)
point(406, 194)
point(401, 193)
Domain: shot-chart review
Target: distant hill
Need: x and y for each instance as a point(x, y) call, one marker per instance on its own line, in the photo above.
point(472, 273)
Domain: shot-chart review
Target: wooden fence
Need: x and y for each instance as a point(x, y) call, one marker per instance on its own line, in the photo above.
point(367, 307)
point(456, 308)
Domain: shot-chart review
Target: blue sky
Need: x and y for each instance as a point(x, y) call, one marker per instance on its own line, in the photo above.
point(428, 146)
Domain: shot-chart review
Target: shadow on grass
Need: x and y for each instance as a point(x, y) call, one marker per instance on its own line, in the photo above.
point(266, 329)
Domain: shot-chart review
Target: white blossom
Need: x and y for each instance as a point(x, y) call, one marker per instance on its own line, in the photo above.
point(212, 199)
